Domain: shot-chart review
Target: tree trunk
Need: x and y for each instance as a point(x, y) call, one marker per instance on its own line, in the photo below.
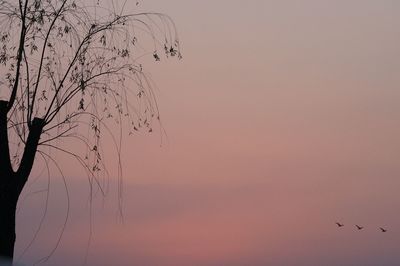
point(12, 182)
point(8, 195)
point(8, 205)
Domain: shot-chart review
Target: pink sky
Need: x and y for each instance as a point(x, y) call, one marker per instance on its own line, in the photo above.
point(282, 118)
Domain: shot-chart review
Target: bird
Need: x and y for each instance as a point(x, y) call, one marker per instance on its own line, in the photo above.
point(383, 229)
point(359, 227)
point(339, 224)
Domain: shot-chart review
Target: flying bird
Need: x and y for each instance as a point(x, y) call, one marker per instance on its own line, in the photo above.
point(383, 229)
point(359, 227)
point(339, 224)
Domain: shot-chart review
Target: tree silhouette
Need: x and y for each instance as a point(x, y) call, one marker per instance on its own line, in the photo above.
point(65, 65)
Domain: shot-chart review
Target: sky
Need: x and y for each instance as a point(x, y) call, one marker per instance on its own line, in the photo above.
point(282, 118)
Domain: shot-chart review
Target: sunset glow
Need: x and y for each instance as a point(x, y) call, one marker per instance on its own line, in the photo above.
point(282, 118)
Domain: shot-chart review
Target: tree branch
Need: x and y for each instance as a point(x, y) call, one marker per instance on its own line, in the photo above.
point(56, 16)
point(19, 56)
point(30, 149)
point(89, 35)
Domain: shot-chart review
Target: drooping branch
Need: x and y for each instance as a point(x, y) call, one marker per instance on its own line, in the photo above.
point(70, 94)
point(92, 32)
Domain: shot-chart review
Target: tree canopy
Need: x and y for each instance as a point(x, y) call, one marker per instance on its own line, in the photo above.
point(69, 64)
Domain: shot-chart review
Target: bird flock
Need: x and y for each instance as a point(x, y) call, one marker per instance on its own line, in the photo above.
point(383, 230)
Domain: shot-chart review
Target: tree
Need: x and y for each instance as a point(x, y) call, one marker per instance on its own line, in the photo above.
point(65, 65)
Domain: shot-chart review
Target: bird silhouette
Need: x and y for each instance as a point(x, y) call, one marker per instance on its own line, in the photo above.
point(339, 224)
point(359, 227)
point(383, 229)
